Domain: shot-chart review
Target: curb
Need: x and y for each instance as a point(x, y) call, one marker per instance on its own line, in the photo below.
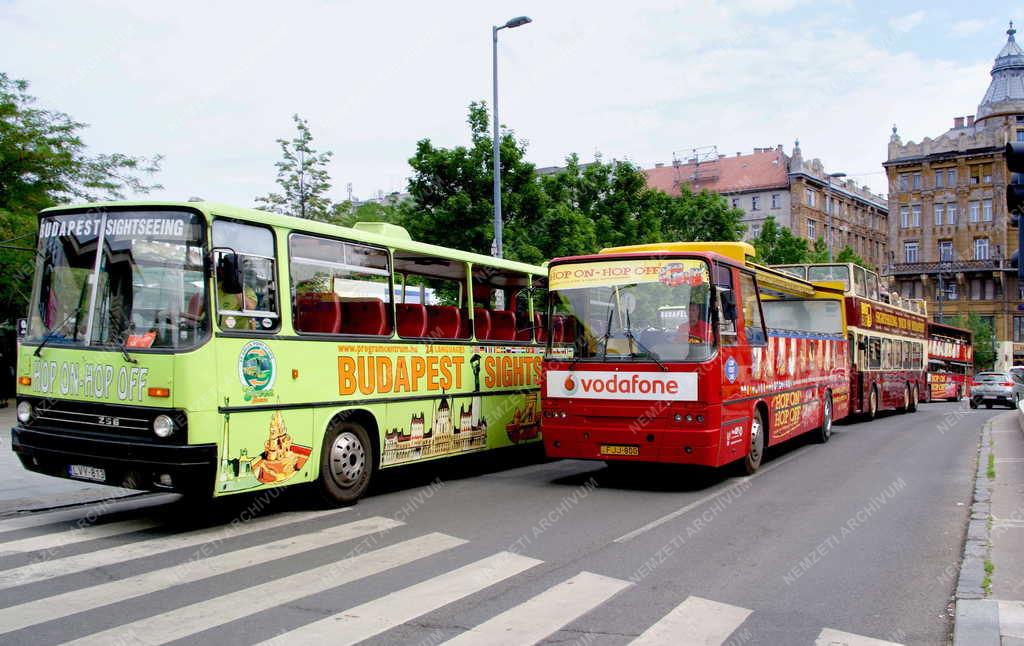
point(977, 619)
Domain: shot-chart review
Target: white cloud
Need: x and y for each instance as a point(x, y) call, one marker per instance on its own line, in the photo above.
point(905, 24)
point(968, 27)
point(212, 85)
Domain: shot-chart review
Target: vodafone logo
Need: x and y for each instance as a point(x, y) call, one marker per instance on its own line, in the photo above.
point(619, 385)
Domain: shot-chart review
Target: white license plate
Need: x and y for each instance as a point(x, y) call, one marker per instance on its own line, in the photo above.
point(87, 473)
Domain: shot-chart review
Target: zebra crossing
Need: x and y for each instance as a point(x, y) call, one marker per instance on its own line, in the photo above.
point(356, 550)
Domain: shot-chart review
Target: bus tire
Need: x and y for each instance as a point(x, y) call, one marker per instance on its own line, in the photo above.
point(346, 463)
point(913, 399)
point(872, 411)
point(905, 407)
point(974, 402)
point(825, 431)
point(752, 461)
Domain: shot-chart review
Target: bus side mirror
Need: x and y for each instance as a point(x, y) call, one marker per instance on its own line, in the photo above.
point(229, 273)
point(22, 328)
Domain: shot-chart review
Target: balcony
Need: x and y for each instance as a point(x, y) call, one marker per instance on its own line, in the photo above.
point(952, 266)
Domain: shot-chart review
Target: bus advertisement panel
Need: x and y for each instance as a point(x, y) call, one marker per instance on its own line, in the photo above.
point(211, 350)
point(690, 356)
point(950, 361)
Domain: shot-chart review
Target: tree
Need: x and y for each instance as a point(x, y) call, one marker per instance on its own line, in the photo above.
point(777, 245)
point(44, 162)
point(452, 191)
point(302, 176)
point(344, 214)
point(984, 339)
point(819, 252)
point(698, 217)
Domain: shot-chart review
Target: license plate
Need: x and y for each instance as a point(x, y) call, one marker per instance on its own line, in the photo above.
point(84, 472)
point(619, 449)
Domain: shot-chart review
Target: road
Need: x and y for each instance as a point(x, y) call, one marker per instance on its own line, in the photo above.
point(854, 542)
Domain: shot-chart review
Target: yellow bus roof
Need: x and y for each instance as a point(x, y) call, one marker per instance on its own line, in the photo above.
point(738, 251)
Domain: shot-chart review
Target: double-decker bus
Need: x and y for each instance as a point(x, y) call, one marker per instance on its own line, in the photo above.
point(950, 361)
point(209, 349)
point(688, 353)
point(887, 335)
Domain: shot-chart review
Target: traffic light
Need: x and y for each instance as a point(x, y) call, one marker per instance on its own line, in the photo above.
point(1014, 154)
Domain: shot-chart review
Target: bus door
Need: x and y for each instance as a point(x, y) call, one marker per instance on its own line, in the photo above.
point(742, 339)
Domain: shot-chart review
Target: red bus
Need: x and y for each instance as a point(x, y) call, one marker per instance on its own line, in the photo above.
point(950, 362)
point(688, 353)
point(887, 337)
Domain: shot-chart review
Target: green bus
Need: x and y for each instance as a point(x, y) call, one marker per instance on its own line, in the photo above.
point(210, 350)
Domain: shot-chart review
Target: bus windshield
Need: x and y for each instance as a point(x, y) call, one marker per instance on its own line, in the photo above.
point(146, 291)
point(638, 309)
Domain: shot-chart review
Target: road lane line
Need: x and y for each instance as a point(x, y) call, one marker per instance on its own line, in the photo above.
point(375, 617)
point(829, 637)
point(711, 496)
point(43, 570)
point(56, 540)
point(189, 620)
point(49, 608)
point(695, 622)
point(541, 616)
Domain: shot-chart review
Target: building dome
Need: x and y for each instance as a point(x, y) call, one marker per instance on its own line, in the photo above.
point(1005, 93)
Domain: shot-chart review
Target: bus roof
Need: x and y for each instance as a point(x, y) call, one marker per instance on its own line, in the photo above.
point(945, 329)
point(378, 233)
point(738, 251)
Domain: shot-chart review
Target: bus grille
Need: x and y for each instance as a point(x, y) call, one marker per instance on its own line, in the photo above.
point(103, 420)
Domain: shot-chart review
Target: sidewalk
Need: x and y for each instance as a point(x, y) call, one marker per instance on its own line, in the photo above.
point(23, 490)
point(998, 618)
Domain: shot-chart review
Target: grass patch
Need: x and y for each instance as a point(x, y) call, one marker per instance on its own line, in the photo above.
point(986, 583)
point(991, 466)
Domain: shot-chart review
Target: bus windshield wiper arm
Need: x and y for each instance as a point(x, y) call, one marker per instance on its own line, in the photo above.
point(607, 333)
point(51, 333)
point(641, 346)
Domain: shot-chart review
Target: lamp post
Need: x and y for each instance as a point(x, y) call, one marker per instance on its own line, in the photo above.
point(830, 207)
point(511, 24)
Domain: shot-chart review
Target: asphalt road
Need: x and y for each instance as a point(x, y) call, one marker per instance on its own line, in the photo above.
point(843, 543)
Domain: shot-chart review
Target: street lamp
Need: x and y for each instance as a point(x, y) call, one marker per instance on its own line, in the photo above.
point(511, 24)
point(830, 207)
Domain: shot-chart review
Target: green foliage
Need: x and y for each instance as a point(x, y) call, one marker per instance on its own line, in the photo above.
point(819, 252)
point(777, 245)
point(344, 214)
point(984, 339)
point(848, 255)
point(44, 162)
point(302, 176)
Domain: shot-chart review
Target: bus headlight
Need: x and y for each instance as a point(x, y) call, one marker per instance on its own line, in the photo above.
point(24, 412)
point(163, 426)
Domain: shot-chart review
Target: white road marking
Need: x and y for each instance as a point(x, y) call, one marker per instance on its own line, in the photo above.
point(541, 616)
point(188, 620)
point(709, 497)
point(829, 637)
point(57, 540)
point(695, 622)
point(48, 569)
point(60, 605)
point(382, 614)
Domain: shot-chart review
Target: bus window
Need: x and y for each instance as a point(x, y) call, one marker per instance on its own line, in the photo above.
point(497, 311)
point(726, 303)
point(859, 281)
point(338, 287)
point(839, 273)
point(432, 300)
point(872, 283)
point(752, 324)
point(874, 353)
point(255, 308)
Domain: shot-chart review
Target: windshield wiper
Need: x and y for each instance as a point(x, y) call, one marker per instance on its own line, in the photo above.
point(51, 334)
point(607, 333)
point(629, 335)
point(124, 350)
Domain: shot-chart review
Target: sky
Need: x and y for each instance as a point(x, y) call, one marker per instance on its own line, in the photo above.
point(212, 85)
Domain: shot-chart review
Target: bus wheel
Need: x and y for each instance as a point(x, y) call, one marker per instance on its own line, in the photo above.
point(905, 408)
point(873, 403)
point(346, 463)
point(913, 399)
point(974, 402)
point(752, 462)
point(825, 432)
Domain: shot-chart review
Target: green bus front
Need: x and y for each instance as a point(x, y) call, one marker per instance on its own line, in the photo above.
point(337, 352)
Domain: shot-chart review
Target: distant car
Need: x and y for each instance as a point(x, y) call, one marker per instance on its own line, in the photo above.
point(988, 388)
point(1017, 370)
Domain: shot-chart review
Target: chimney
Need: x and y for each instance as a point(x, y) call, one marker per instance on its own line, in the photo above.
point(738, 154)
point(958, 122)
point(779, 148)
point(659, 165)
point(970, 120)
point(721, 156)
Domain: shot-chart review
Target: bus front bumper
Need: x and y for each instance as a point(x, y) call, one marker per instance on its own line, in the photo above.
point(117, 462)
point(697, 447)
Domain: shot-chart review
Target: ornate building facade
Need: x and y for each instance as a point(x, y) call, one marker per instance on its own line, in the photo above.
point(800, 195)
point(948, 226)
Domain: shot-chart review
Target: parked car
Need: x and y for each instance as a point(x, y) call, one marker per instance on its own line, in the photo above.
point(988, 388)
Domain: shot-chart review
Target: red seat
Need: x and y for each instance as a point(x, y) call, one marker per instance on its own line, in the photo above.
point(465, 325)
point(482, 319)
point(412, 319)
point(443, 322)
point(526, 333)
point(318, 313)
point(503, 325)
point(538, 325)
point(365, 317)
point(557, 329)
point(569, 329)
